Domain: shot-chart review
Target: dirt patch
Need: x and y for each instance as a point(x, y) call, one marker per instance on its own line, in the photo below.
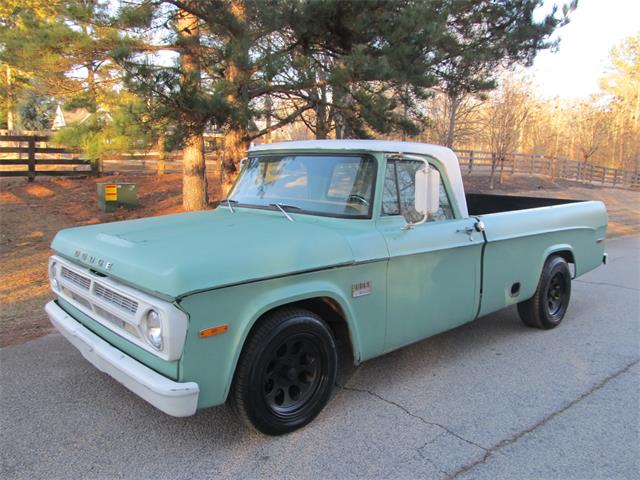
point(30, 216)
point(32, 213)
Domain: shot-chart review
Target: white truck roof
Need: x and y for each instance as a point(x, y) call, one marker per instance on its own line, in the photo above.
point(445, 155)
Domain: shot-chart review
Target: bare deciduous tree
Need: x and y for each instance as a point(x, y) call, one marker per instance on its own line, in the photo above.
point(504, 117)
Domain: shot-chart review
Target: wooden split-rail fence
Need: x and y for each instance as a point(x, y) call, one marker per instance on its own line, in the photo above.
point(478, 162)
point(33, 151)
point(30, 156)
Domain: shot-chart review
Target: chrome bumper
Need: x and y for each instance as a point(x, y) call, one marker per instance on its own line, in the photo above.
point(173, 398)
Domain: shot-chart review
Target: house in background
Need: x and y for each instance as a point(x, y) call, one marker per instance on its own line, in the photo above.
point(64, 118)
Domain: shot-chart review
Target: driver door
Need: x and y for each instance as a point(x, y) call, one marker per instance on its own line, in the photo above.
point(433, 276)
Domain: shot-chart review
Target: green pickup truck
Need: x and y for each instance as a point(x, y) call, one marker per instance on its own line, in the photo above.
point(373, 244)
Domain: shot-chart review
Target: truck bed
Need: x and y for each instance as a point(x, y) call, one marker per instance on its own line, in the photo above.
point(483, 204)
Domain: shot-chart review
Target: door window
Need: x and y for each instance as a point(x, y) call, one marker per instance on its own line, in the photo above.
point(399, 191)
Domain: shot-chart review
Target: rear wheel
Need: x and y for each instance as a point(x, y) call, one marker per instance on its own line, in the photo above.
point(286, 372)
point(549, 304)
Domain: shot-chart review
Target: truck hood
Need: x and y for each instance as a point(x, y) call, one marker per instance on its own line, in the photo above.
point(174, 255)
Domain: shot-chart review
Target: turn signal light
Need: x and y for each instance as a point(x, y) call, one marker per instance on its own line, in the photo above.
point(210, 332)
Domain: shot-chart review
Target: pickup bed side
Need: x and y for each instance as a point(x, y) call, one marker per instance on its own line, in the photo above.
point(519, 242)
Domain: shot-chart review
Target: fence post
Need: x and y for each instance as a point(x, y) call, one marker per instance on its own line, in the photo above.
point(615, 177)
point(531, 168)
point(32, 158)
point(604, 175)
point(551, 167)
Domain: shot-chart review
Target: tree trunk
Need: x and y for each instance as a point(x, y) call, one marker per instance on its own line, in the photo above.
point(235, 148)
point(494, 164)
point(454, 104)
point(11, 124)
point(161, 154)
point(322, 128)
point(321, 111)
point(338, 115)
point(236, 140)
point(343, 114)
point(194, 180)
point(268, 107)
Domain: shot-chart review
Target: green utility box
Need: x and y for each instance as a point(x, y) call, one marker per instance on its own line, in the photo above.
point(112, 196)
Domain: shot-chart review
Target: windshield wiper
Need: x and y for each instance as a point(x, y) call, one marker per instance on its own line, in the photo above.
point(283, 208)
point(230, 204)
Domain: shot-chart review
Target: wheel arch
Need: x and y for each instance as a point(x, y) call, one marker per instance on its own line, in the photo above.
point(561, 250)
point(328, 304)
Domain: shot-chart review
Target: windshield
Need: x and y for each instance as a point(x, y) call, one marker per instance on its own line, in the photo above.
point(333, 185)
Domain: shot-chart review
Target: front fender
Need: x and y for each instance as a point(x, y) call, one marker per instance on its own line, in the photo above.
point(211, 361)
point(305, 291)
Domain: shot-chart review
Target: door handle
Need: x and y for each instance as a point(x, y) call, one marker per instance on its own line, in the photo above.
point(466, 231)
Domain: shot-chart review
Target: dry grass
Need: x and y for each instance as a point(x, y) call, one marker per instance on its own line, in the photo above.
point(31, 214)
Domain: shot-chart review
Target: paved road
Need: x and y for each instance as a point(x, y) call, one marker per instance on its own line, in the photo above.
point(492, 400)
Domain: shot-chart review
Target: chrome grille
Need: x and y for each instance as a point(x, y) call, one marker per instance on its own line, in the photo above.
point(76, 278)
point(78, 298)
point(115, 298)
point(109, 316)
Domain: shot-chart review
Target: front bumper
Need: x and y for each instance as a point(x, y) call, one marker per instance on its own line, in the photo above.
point(173, 398)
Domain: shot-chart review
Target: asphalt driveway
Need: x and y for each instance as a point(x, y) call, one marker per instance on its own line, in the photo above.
point(492, 399)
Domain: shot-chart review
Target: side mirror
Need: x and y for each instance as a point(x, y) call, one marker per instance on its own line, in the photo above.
point(427, 198)
point(427, 194)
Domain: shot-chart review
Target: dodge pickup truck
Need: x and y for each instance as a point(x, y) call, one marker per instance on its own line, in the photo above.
point(370, 243)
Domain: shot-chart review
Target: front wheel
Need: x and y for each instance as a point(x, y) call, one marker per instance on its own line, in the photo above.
point(547, 307)
point(286, 372)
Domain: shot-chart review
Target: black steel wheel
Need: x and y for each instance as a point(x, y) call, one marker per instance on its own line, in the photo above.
point(549, 304)
point(286, 372)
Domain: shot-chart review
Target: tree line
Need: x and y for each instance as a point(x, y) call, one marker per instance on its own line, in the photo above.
point(165, 72)
point(603, 130)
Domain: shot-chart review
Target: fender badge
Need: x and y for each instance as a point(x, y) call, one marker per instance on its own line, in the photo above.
point(360, 289)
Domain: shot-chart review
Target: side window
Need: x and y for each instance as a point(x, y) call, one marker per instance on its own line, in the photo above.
point(445, 212)
point(399, 190)
point(390, 204)
point(406, 170)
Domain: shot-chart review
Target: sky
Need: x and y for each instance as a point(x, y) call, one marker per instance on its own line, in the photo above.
point(585, 43)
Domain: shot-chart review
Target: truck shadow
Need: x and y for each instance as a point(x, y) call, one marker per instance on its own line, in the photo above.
point(486, 333)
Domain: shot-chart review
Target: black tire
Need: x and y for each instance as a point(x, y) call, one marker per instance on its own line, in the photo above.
point(549, 304)
point(286, 372)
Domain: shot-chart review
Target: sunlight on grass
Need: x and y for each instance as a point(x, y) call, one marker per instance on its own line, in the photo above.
point(8, 197)
point(37, 190)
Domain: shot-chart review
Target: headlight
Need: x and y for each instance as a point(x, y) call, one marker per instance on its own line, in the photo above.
point(53, 274)
point(153, 329)
point(53, 270)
